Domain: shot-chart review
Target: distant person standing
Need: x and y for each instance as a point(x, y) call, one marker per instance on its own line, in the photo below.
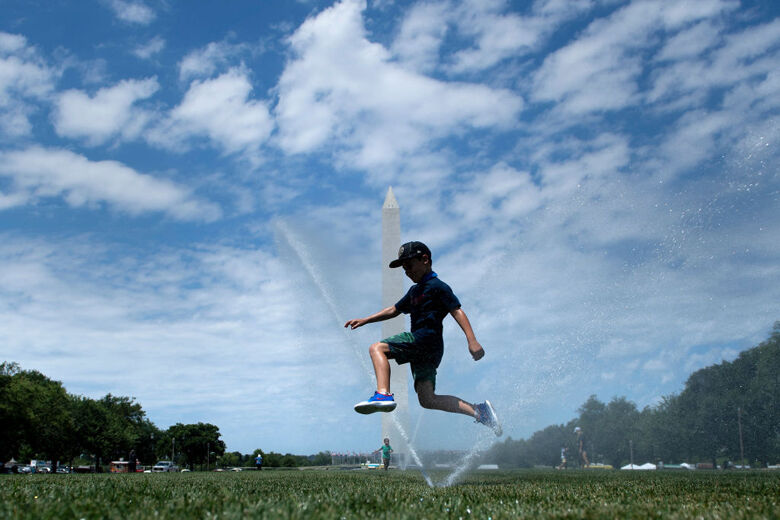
point(581, 440)
point(131, 462)
point(386, 450)
point(259, 462)
point(562, 465)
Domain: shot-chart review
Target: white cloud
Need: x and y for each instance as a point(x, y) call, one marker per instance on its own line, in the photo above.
point(565, 166)
point(110, 112)
point(11, 200)
point(714, 356)
point(678, 14)
point(204, 62)
point(742, 69)
point(11, 43)
point(600, 70)
point(132, 11)
point(25, 79)
point(656, 365)
point(745, 56)
point(497, 35)
point(580, 270)
point(221, 110)
point(492, 33)
point(343, 89)
point(693, 140)
point(501, 194)
point(46, 172)
point(225, 332)
point(421, 35)
point(150, 48)
point(690, 42)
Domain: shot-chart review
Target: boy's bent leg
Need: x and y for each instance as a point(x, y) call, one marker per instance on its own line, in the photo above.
point(447, 403)
point(378, 352)
point(382, 400)
point(483, 412)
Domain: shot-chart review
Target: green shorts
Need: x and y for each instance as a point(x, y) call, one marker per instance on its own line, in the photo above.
point(423, 360)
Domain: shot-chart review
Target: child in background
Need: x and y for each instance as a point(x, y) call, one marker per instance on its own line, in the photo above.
point(386, 450)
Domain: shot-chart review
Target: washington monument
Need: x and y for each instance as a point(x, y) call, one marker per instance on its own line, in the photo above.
point(392, 291)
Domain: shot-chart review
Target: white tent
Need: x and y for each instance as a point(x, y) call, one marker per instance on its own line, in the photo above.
point(645, 466)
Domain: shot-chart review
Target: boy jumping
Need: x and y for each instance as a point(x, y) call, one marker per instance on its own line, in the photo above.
point(428, 302)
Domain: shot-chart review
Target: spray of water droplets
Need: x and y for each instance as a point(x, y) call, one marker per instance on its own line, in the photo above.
point(303, 255)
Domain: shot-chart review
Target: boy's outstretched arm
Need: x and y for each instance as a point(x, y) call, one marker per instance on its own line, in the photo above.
point(477, 352)
point(384, 314)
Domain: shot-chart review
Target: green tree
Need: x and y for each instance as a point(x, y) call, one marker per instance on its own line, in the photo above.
point(124, 425)
point(194, 443)
point(90, 419)
point(272, 460)
point(761, 412)
point(230, 460)
point(37, 410)
point(617, 431)
point(144, 444)
point(591, 420)
point(544, 447)
point(111, 427)
point(714, 398)
point(508, 453)
point(11, 413)
point(321, 459)
point(661, 437)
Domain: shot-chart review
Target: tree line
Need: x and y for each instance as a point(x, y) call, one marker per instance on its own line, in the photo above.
point(724, 413)
point(272, 459)
point(39, 419)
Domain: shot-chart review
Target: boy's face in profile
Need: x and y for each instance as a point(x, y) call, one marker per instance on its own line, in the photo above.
point(416, 268)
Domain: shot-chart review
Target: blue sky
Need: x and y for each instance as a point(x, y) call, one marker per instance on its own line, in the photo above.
point(190, 201)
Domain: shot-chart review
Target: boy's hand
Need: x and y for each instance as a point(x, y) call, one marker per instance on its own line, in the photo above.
point(477, 352)
point(353, 324)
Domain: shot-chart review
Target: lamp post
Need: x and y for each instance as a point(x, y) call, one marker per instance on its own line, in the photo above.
point(741, 445)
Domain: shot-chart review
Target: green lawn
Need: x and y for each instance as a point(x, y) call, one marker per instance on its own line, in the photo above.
point(395, 494)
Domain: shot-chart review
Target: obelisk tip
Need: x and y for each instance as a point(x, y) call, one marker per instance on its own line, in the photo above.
point(390, 201)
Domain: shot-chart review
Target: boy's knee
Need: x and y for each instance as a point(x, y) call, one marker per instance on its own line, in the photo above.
point(425, 401)
point(378, 348)
point(426, 398)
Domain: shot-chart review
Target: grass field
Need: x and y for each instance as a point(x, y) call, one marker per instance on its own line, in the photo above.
point(396, 494)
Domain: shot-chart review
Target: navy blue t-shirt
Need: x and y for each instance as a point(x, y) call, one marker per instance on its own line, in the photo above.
point(428, 303)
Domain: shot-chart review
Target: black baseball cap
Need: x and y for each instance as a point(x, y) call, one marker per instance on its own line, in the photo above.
point(410, 250)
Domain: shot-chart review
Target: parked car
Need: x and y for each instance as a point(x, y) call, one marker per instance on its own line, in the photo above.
point(164, 466)
point(40, 466)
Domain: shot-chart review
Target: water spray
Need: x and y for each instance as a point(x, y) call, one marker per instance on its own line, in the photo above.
point(309, 266)
point(301, 252)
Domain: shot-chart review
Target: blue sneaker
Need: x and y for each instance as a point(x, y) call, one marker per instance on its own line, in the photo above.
point(376, 403)
point(487, 415)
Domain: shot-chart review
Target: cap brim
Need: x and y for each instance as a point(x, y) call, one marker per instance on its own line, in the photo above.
point(396, 263)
